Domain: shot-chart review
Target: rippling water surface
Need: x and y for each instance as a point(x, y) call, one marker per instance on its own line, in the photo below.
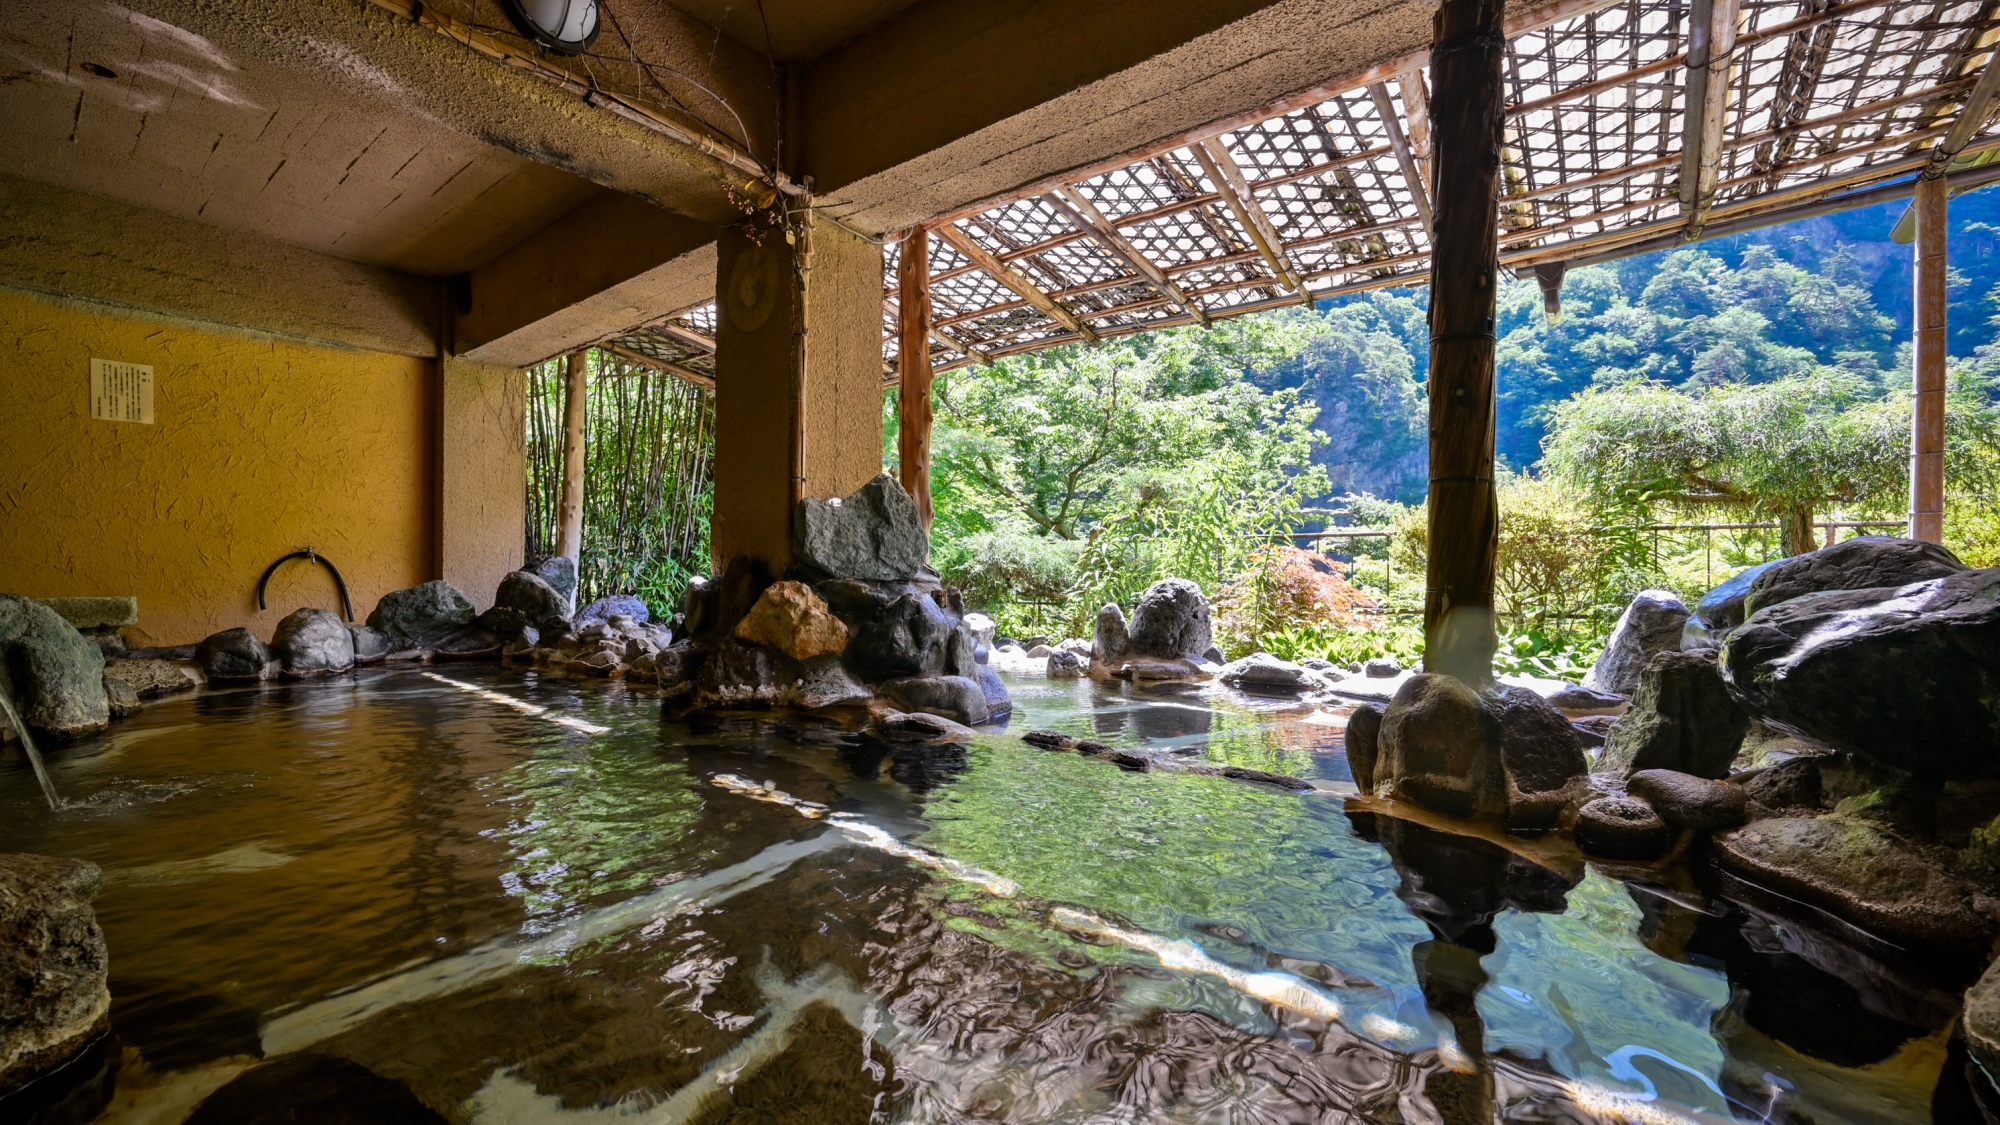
point(388, 891)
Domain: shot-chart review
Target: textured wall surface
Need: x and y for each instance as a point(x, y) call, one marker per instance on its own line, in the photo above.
point(483, 461)
point(260, 447)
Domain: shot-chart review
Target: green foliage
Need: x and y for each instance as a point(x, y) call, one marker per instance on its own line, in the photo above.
point(1283, 592)
point(1786, 449)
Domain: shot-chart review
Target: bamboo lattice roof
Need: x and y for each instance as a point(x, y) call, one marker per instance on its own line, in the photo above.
point(1326, 193)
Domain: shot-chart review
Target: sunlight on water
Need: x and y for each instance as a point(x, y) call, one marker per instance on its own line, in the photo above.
point(528, 899)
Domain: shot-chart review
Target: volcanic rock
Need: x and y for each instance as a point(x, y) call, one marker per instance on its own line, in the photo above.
point(560, 573)
point(617, 605)
point(874, 533)
point(1064, 665)
point(1363, 741)
point(1686, 801)
point(1866, 563)
point(1171, 621)
point(1908, 677)
point(53, 994)
point(422, 616)
point(955, 697)
point(1506, 753)
point(538, 602)
point(233, 654)
point(1720, 610)
point(370, 645)
point(912, 636)
point(1621, 828)
point(1264, 674)
point(151, 678)
point(1113, 639)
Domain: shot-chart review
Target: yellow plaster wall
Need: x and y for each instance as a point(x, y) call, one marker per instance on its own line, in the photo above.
point(259, 447)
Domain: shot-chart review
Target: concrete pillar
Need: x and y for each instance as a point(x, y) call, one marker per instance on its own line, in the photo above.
point(1927, 415)
point(798, 383)
point(482, 476)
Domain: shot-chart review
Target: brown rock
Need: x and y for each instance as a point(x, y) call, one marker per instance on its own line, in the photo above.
point(150, 678)
point(791, 618)
point(1864, 875)
point(53, 995)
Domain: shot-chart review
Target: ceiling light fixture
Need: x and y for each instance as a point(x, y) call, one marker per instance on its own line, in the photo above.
point(567, 27)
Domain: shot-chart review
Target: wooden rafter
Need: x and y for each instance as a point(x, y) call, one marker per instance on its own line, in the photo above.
point(1711, 54)
point(1013, 279)
point(1078, 208)
point(1228, 180)
point(1406, 158)
point(685, 374)
point(682, 335)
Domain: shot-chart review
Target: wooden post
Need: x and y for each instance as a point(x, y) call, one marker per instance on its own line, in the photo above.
point(913, 368)
point(1466, 120)
point(1927, 415)
point(569, 532)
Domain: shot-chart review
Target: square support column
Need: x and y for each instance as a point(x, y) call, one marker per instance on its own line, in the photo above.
point(1928, 382)
point(482, 470)
point(798, 383)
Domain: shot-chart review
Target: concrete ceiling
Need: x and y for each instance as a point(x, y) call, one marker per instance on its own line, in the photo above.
point(114, 103)
point(791, 30)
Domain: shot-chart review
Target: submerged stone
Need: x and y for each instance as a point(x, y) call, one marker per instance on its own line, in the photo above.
point(54, 997)
point(313, 1089)
point(54, 673)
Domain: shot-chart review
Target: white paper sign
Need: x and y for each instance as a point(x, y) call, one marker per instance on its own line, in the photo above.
point(121, 392)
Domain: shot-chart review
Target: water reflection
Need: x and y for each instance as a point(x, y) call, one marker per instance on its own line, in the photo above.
point(409, 887)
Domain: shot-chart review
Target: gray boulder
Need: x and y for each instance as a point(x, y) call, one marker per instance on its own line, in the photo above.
point(1651, 624)
point(538, 602)
point(560, 573)
point(53, 673)
point(1686, 801)
point(1720, 610)
point(1171, 622)
point(873, 534)
point(911, 636)
point(233, 654)
point(54, 996)
point(1381, 668)
point(1505, 754)
point(999, 704)
point(1907, 677)
point(312, 642)
point(1981, 1022)
point(123, 697)
point(1683, 717)
point(616, 605)
point(982, 626)
point(735, 674)
point(1585, 701)
point(1112, 640)
point(422, 616)
point(826, 683)
point(1866, 563)
point(957, 698)
point(1260, 673)
point(370, 645)
point(1064, 664)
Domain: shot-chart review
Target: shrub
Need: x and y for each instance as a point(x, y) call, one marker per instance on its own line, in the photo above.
point(1021, 578)
point(1284, 590)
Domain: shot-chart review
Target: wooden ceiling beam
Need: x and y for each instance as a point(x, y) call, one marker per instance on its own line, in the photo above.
point(1229, 183)
point(682, 335)
point(685, 374)
point(1078, 208)
point(1013, 279)
point(1711, 60)
point(1405, 157)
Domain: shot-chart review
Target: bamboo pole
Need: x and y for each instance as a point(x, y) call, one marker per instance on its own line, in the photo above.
point(1467, 117)
point(913, 367)
point(569, 535)
point(1927, 415)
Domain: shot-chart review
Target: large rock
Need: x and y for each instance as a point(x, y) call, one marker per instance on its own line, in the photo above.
point(95, 613)
point(560, 573)
point(233, 654)
point(1651, 624)
point(1982, 1020)
point(53, 673)
point(1683, 718)
point(1908, 677)
point(874, 534)
point(1064, 665)
point(422, 616)
point(1720, 610)
point(1863, 874)
point(1621, 828)
point(1866, 563)
point(791, 618)
point(1260, 673)
point(999, 703)
point(616, 605)
point(957, 698)
point(982, 626)
point(911, 636)
point(1504, 754)
point(826, 683)
point(1171, 622)
point(53, 994)
point(312, 642)
point(539, 603)
point(370, 645)
point(734, 674)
